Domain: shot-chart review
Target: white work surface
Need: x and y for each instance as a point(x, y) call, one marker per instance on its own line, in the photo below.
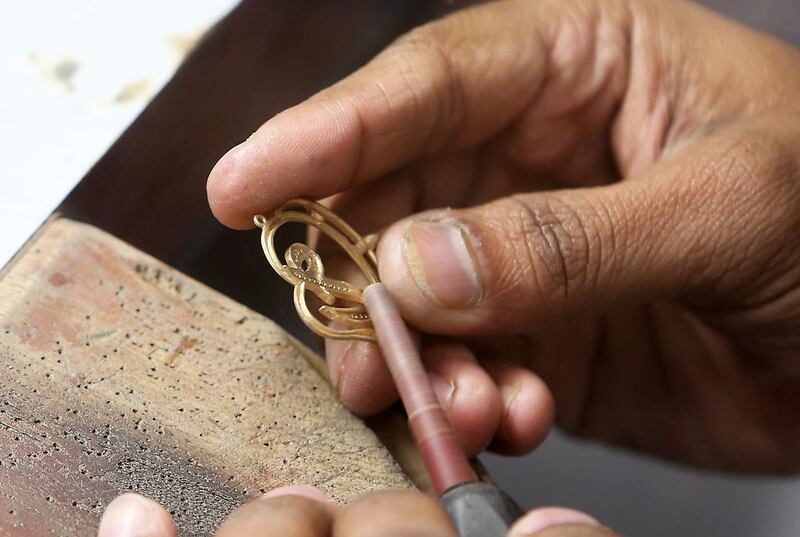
point(74, 75)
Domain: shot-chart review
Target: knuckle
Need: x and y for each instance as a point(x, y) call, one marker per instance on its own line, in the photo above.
point(397, 86)
point(553, 245)
point(432, 68)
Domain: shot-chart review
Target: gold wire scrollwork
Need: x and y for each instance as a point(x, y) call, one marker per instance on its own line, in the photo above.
point(303, 268)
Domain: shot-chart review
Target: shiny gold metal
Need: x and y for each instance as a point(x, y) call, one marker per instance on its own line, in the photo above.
point(303, 268)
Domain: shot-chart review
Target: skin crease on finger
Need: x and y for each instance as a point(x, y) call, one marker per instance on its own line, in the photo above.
point(687, 118)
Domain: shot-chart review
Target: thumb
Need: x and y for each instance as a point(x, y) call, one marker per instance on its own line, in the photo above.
point(524, 260)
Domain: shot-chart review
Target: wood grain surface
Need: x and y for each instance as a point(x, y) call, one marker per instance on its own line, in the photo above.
point(121, 374)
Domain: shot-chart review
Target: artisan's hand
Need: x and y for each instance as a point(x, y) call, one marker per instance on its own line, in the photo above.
point(632, 242)
point(303, 512)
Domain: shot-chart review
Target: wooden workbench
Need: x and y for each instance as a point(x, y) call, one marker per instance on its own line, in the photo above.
point(120, 374)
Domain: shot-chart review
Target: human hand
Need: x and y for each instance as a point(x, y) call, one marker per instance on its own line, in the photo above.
point(629, 240)
point(302, 511)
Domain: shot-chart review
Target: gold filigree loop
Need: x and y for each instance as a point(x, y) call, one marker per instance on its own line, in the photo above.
point(303, 268)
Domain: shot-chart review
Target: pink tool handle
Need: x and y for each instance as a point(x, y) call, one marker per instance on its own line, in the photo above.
point(438, 445)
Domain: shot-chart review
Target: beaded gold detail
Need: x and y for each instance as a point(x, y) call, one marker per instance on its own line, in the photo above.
point(342, 315)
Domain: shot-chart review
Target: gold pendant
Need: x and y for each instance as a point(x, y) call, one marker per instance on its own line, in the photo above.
point(303, 268)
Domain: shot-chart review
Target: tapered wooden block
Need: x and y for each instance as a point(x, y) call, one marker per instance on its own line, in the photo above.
point(120, 374)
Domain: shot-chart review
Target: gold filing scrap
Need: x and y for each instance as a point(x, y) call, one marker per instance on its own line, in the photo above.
point(302, 267)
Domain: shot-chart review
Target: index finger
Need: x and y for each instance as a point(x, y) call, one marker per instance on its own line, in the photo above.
point(446, 85)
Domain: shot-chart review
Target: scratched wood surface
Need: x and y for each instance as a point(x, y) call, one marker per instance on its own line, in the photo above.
point(118, 374)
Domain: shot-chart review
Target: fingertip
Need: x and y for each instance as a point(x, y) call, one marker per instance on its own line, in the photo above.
point(359, 376)
point(230, 188)
point(308, 150)
point(469, 396)
point(546, 517)
point(528, 409)
point(132, 515)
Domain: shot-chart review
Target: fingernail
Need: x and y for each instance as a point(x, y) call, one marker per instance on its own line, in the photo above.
point(442, 261)
point(543, 518)
point(509, 393)
point(349, 376)
point(443, 388)
point(132, 515)
point(306, 491)
point(337, 352)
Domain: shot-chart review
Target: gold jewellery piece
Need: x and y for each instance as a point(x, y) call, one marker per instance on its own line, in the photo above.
point(342, 315)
